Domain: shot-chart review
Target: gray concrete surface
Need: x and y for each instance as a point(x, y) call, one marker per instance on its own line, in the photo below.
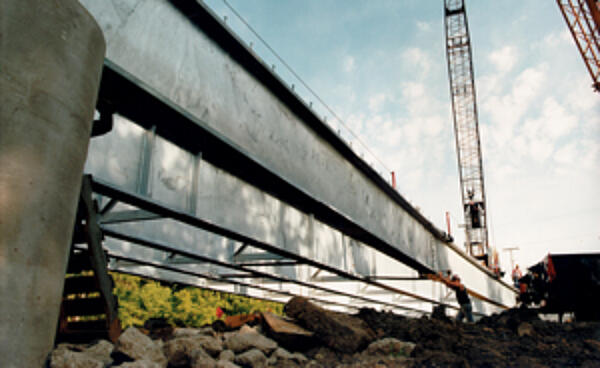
point(51, 56)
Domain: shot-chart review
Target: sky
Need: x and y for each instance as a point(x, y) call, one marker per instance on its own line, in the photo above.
point(381, 67)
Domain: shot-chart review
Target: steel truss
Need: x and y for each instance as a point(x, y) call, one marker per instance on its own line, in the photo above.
point(466, 128)
point(583, 20)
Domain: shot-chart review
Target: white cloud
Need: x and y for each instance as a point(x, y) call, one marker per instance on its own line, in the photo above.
point(507, 110)
point(504, 59)
point(557, 39)
point(417, 58)
point(349, 64)
point(424, 26)
point(541, 149)
point(377, 101)
point(433, 125)
point(566, 154)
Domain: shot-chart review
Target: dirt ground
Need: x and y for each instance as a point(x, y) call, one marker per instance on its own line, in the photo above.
point(514, 338)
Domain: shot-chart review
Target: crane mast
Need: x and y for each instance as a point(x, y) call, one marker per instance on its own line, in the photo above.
point(583, 20)
point(466, 128)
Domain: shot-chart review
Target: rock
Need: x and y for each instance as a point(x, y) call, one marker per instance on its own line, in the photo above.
point(287, 333)
point(247, 329)
point(210, 344)
point(271, 361)
point(141, 364)
point(158, 328)
point(525, 329)
point(65, 358)
point(281, 354)
point(187, 332)
point(391, 346)
point(184, 351)
point(339, 331)
point(251, 358)
point(227, 354)
point(300, 358)
point(138, 346)
point(241, 342)
point(202, 361)
point(226, 364)
point(101, 351)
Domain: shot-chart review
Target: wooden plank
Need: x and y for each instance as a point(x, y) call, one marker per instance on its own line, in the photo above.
point(79, 262)
point(83, 307)
point(97, 325)
point(80, 284)
point(97, 256)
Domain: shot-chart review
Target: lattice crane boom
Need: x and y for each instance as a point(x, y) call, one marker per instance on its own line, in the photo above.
point(466, 128)
point(583, 20)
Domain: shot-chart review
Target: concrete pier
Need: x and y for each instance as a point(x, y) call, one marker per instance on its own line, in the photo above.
point(51, 56)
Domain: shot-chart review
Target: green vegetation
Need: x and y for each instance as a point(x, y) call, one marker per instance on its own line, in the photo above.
point(140, 299)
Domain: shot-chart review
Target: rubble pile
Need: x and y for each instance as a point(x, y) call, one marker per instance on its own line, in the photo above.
point(314, 337)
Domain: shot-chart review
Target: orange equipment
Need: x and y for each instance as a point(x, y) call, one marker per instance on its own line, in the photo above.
point(583, 20)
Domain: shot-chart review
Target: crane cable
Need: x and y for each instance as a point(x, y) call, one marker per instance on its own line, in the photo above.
point(289, 68)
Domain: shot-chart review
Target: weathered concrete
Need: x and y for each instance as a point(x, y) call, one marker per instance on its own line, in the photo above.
point(51, 56)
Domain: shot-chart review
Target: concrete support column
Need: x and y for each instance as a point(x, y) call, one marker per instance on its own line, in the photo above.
point(51, 55)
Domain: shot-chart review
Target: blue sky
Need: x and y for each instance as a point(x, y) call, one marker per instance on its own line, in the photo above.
point(381, 66)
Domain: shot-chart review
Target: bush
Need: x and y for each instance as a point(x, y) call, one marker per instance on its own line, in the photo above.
point(141, 299)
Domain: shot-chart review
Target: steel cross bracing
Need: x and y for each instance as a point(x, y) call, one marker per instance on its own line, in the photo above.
point(466, 127)
point(149, 206)
point(583, 20)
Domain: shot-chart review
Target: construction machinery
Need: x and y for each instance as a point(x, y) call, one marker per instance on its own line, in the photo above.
point(466, 129)
point(583, 20)
point(564, 283)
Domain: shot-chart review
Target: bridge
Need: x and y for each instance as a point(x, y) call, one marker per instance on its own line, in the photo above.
point(217, 174)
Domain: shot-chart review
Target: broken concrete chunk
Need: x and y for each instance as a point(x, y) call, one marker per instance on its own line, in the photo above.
point(101, 351)
point(187, 332)
point(65, 358)
point(202, 361)
point(248, 329)
point(140, 364)
point(210, 344)
point(251, 358)
point(227, 355)
point(288, 334)
point(244, 341)
point(181, 352)
point(138, 346)
point(339, 331)
point(299, 358)
point(281, 353)
point(226, 364)
point(391, 346)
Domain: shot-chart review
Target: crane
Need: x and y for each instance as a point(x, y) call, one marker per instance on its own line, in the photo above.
point(466, 129)
point(583, 20)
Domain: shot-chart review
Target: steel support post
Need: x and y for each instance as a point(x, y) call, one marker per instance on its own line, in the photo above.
point(51, 56)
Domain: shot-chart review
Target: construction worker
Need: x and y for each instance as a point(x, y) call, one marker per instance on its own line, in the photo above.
point(516, 275)
point(466, 310)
